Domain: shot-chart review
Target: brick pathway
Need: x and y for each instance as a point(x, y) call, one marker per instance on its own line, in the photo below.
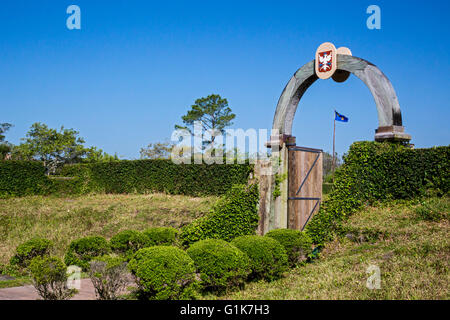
point(86, 292)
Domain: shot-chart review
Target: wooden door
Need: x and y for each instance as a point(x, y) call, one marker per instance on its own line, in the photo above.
point(304, 185)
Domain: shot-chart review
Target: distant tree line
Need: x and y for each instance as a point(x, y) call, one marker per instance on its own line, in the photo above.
point(51, 146)
point(55, 148)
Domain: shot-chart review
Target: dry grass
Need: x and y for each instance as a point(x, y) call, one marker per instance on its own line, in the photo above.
point(413, 257)
point(64, 219)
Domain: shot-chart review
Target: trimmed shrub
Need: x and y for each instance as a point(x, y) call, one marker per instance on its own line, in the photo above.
point(374, 171)
point(127, 242)
point(29, 250)
point(50, 278)
point(22, 178)
point(157, 175)
point(161, 236)
point(298, 245)
point(164, 273)
point(82, 250)
point(235, 214)
point(268, 258)
point(221, 265)
point(109, 276)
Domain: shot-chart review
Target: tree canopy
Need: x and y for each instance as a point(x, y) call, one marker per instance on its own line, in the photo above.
point(157, 150)
point(56, 147)
point(5, 146)
point(3, 128)
point(212, 112)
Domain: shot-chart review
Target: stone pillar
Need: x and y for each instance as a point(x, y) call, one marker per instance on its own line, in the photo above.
point(262, 172)
point(273, 211)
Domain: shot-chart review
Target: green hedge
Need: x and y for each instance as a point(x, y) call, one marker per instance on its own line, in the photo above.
point(22, 178)
point(392, 171)
point(374, 171)
point(141, 176)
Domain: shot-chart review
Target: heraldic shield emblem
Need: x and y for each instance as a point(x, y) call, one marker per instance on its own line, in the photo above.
point(326, 61)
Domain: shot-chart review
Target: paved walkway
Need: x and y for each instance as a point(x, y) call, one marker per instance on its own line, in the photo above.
point(86, 292)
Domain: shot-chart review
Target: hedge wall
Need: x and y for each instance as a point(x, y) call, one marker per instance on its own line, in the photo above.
point(140, 176)
point(21, 178)
point(375, 171)
point(392, 171)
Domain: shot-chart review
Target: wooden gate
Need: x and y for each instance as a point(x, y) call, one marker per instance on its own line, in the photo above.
point(304, 185)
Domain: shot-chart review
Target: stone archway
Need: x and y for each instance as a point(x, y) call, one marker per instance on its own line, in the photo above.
point(389, 115)
point(273, 212)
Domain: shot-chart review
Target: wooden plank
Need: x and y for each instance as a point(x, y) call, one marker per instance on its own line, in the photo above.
point(317, 186)
point(292, 183)
point(300, 163)
point(308, 188)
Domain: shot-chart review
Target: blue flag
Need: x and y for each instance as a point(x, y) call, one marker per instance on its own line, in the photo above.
point(340, 117)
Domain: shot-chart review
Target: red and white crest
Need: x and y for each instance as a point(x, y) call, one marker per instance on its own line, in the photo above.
point(326, 60)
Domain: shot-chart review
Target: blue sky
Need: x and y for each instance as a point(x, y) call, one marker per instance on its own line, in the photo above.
point(135, 67)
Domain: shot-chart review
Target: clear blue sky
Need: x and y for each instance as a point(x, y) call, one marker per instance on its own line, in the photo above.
point(135, 67)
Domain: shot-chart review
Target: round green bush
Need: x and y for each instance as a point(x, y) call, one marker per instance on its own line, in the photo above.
point(29, 250)
point(220, 264)
point(50, 278)
point(82, 250)
point(298, 244)
point(164, 273)
point(268, 257)
point(127, 242)
point(161, 236)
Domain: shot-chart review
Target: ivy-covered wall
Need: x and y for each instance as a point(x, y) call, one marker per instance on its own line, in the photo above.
point(374, 171)
point(140, 176)
point(22, 178)
point(19, 178)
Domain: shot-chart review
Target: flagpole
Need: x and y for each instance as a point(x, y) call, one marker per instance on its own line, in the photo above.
point(334, 139)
